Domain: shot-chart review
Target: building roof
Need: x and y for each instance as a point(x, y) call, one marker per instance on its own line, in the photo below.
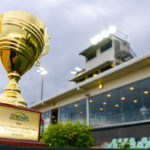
point(90, 70)
point(132, 64)
point(94, 47)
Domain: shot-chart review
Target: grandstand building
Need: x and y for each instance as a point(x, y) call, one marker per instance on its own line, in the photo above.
point(112, 93)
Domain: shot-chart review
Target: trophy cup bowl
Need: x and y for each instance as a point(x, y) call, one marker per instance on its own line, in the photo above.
point(22, 39)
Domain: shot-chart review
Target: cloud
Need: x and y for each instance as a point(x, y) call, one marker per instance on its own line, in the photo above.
point(71, 24)
point(85, 11)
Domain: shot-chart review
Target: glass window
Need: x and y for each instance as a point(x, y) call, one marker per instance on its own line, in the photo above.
point(125, 104)
point(145, 92)
point(106, 68)
point(113, 107)
point(97, 114)
point(106, 46)
point(46, 118)
point(106, 109)
point(74, 112)
point(129, 103)
point(132, 102)
point(80, 80)
point(91, 56)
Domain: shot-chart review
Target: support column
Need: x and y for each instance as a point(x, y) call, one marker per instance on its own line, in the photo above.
point(87, 110)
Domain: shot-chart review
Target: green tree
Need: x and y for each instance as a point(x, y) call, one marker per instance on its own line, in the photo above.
point(68, 135)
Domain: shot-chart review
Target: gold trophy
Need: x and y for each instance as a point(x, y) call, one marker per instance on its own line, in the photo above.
point(22, 39)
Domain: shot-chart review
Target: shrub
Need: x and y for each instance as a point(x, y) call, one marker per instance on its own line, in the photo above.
point(68, 135)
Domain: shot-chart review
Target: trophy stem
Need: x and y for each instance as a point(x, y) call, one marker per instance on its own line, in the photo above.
point(12, 92)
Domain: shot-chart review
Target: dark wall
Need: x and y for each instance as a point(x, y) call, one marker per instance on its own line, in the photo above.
point(107, 134)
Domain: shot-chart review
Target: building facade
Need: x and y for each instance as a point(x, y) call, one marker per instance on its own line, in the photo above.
point(111, 94)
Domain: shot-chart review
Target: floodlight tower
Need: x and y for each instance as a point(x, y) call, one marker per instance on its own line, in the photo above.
point(42, 72)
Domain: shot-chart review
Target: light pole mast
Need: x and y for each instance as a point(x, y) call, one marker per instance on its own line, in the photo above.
point(42, 87)
point(42, 72)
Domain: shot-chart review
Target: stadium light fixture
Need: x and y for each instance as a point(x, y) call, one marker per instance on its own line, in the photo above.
point(93, 41)
point(77, 69)
point(112, 29)
point(73, 72)
point(104, 34)
point(98, 37)
point(42, 71)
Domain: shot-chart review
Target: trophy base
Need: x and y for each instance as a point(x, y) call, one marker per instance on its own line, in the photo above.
point(12, 98)
point(22, 143)
point(19, 126)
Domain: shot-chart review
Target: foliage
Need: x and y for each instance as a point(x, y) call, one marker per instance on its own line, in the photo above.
point(68, 135)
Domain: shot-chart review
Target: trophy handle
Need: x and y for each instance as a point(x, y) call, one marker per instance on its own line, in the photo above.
point(46, 49)
point(1, 17)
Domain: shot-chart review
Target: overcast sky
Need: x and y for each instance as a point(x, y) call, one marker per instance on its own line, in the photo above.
point(71, 24)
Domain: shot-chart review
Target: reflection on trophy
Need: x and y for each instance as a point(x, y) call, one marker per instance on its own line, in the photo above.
point(22, 39)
